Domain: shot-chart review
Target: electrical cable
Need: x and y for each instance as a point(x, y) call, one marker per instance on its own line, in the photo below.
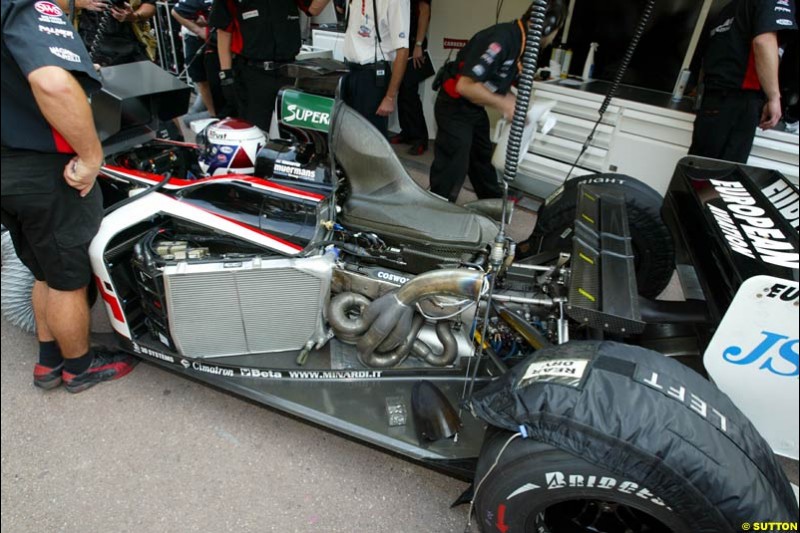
point(478, 486)
point(637, 35)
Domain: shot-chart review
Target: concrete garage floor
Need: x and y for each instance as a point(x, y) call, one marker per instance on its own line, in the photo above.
point(155, 452)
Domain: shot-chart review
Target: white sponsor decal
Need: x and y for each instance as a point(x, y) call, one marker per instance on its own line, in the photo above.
point(784, 22)
point(676, 391)
point(211, 369)
point(753, 233)
point(52, 20)
point(315, 117)
point(394, 278)
point(478, 70)
point(48, 8)
point(560, 480)
point(250, 14)
point(258, 373)
point(786, 201)
point(295, 171)
point(570, 368)
point(335, 374)
point(152, 353)
point(61, 32)
point(226, 150)
point(65, 54)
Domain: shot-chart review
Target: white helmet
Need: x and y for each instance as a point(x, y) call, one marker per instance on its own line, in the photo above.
point(229, 146)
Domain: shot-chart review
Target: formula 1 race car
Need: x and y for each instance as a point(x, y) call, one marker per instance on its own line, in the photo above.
point(313, 275)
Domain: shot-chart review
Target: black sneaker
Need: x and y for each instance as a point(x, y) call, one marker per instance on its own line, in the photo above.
point(46, 377)
point(106, 366)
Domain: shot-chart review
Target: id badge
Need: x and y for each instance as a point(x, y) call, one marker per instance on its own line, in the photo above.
point(380, 76)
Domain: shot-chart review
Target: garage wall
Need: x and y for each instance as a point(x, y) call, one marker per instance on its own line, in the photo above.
point(459, 19)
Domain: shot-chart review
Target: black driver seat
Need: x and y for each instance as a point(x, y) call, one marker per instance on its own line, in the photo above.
point(384, 199)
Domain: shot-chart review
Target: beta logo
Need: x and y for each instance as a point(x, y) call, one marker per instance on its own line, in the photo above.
point(48, 8)
point(775, 353)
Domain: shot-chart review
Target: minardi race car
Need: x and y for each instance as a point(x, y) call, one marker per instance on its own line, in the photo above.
point(313, 275)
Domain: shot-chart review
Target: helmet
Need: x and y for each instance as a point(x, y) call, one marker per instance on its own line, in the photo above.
point(229, 146)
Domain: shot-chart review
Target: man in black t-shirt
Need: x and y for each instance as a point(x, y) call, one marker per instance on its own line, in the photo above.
point(50, 204)
point(485, 69)
point(254, 38)
point(741, 88)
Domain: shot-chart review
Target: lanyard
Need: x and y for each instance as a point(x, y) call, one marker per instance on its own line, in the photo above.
point(374, 22)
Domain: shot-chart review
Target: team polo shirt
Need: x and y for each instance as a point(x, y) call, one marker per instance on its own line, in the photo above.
point(360, 40)
point(261, 30)
point(729, 62)
point(491, 57)
point(37, 34)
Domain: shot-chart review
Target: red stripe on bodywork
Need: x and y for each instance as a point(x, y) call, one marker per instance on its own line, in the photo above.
point(109, 298)
point(176, 182)
point(243, 225)
point(251, 228)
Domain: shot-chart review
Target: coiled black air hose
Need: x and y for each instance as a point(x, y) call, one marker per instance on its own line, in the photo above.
point(623, 67)
point(525, 86)
point(103, 28)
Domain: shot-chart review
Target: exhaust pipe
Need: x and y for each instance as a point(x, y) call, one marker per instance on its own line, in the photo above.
point(389, 319)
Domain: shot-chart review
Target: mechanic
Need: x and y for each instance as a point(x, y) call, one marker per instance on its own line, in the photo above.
point(115, 32)
point(192, 15)
point(480, 76)
point(254, 39)
point(376, 59)
point(413, 129)
point(741, 87)
point(50, 159)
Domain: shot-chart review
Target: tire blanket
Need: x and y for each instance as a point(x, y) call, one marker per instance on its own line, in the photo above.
point(640, 414)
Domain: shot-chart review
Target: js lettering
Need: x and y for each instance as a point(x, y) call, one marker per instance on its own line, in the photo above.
point(776, 353)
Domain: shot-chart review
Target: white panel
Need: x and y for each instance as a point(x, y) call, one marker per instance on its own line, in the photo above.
point(649, 161)
point(753, 359)
point(663, 129)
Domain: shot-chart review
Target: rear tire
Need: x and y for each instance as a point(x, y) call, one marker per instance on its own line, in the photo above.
point(536, 488)
point(653, 249)
point(613, 429)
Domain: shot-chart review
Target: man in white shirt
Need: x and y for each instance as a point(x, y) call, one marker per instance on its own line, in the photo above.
point(377, 58)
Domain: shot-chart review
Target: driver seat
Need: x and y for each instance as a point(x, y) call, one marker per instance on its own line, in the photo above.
point(385, 200)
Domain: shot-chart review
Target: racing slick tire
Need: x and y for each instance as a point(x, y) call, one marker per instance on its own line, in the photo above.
point(632, 441)
point(534, 488)
point(653, 248)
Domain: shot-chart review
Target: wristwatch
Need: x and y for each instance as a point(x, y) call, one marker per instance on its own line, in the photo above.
point(226, 77)
point(418, 43)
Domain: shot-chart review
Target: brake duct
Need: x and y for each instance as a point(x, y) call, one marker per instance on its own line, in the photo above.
point(385, 330)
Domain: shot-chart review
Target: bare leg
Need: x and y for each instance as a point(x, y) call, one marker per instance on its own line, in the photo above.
point(39, 299)
point(67, 318)
point(205, 94)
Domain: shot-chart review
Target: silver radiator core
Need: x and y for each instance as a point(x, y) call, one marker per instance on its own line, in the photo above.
point(247, 307)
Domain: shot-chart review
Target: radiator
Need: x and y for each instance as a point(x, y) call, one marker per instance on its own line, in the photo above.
point(246, 307)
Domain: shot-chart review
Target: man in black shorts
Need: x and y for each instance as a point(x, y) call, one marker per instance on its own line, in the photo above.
point(193, 16)
point(50, 205)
